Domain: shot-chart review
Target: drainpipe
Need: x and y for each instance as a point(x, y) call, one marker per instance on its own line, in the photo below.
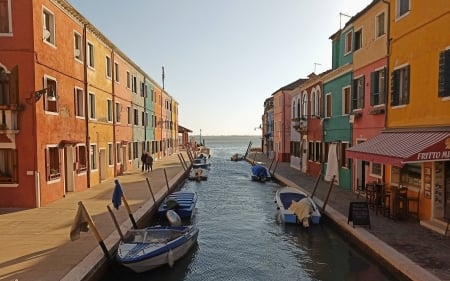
point(388, 55)
point(86, 110)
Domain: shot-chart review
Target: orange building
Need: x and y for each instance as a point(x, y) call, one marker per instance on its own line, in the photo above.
point(65, 104)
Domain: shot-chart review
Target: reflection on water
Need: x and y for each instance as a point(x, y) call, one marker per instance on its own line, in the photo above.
point(241, 239)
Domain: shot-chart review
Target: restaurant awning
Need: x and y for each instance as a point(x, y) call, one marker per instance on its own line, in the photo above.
point(399, 148)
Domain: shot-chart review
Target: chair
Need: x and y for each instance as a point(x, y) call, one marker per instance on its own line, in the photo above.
point(400, 203)
point(415, 200)
point(370, 194)
point(386, 201)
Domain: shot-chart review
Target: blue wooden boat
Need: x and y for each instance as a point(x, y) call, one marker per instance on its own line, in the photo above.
point(145, 249)
point(296, 206)
point(182, 202)
point(260, 173)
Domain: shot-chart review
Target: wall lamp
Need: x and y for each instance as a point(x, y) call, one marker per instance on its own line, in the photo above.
point(51, 96)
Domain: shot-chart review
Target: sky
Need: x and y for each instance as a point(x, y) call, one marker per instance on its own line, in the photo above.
point(222, 58)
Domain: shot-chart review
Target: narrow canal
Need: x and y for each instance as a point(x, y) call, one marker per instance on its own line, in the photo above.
point(241, 238)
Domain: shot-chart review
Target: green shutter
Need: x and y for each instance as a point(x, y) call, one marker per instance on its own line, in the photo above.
point(373, 86)
point(395, 78)
point(444, 74)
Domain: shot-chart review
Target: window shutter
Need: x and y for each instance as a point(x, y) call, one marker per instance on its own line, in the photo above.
point(373, 86)
point(354, 94)
point(395, 77)
point(14, 85)
point(383, 94)
point(14, 165)
point(444, 74)
point(363, 89)
point(47, 164)
point(408, 79)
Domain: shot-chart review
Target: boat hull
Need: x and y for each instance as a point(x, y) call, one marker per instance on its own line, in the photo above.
point(166, 254)
point(186, 201)
point(284, 198)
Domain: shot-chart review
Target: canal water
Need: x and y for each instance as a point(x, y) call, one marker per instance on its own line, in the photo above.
point(241, 237)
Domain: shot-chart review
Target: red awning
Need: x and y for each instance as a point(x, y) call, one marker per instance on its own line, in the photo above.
point(398, 148)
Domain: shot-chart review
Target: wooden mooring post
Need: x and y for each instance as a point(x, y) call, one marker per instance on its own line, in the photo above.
point(316, 184)
point(328, 194)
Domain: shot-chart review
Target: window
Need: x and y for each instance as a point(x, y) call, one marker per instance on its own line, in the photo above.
point(378, 87)
point(135, 117)
point(79, 102)
point(8, 86)
point(93, 156)
point(81, 158)
point(92, 106)
point(444, 74)
point(118, 110)
point(108, 67)
point(402, 8)
point(8, 165)
point(78, 49)
point(109, 108)
point(5, 17)
point(116, 72)
point(376, 169)
point(318, 151)
point(380, 28)
point(348, 43)
point(143, 89)
point(110, 154)
point(130, 155)
point(50, 105)
point(135, 150)
point(48, 27)
point(328, 105)
point(129, 115)
point(358, 39)
point(305, 105)
point(118, 150)
point(358, 93)
point(90, 51)
point(400, 86)
point(411, 174)
point(343, 160)
point(52, 161)
point(134, 84)
point(346, 100)
point(128, 80)
point(143, 118)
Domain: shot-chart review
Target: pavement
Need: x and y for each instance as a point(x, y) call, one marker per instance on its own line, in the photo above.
point(36, 244)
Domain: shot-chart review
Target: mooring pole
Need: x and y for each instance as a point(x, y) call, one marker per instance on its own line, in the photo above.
point(316, 184)
point(328, 194)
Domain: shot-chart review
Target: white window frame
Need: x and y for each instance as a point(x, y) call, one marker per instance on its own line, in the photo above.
point(118, 153)
point(48, 27)
point(371, 170)
point(48, 103)
point(116, 72)
point(78, 98)
point(9, 21)
point(377, 25)
point(398, 4)
point(92, 107)
point(78, 46)
point(330, 113)
point(109, 109)
point(108, 67)
point(305, 104)
point(90, 55)
point(93, 156)
point(348, 42)
point(118, 109)
point(346, 100)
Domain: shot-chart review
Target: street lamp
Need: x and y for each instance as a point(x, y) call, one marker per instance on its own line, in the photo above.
point(51, 96)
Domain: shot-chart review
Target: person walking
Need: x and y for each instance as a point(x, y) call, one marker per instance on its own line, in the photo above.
point(149, 162)
point(144, 160)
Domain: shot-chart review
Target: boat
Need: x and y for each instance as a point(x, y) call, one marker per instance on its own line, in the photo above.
point(295, 206)
point(260, 173)
point(148, 248)
point(198, 174)
point(182, 202)
point(201, 162)
point(237, 157)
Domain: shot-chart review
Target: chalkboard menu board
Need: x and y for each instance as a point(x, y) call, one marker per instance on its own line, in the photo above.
point(358, 213)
